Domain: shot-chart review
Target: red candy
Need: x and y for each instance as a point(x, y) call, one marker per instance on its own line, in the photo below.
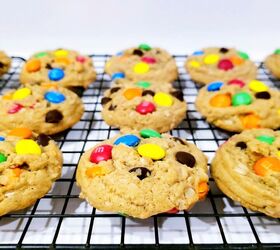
point(15, 108)
point(80, 59)
point(145, 107)
point(225, 64)
point(173, 211)
point(101, 153)
point(237, 82)
point(149, 60)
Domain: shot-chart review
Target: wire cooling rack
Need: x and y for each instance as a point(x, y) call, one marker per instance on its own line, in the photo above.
point(62, 220)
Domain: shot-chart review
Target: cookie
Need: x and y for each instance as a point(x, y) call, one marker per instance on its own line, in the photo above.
point(272, 62)
point(247, 169)
point(43, 109)
point(5, 63)
point(66, 68)
point(143, 104)
point(143, 63)
point(220, 64)
point(237, 105)
point(29, 164)
point(143, 174)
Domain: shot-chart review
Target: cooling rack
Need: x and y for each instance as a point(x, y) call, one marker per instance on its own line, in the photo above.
point(62, 220)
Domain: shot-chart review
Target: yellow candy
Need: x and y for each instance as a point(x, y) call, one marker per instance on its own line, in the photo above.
point(21, 94)
point(27, 146)
point(211, 59)
point(152, 151)
point(61, 52)
point(141, 68)
point(257, 86)
point(163, 99)
point(194, 64)
point(278, 111)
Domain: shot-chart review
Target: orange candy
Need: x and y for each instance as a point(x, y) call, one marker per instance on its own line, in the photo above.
point(95, 171)
point(132, 93)
point(63, 60)
point(202, 189)
point(250, 121)
point(262, 166)
point(24, 133)
point(17, 172)
point(33, 65)
point(49, 85)
point(221, 100)
point(236, 60)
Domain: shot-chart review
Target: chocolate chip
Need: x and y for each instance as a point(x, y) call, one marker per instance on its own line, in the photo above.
point(263, 95)
point(141, 172)
point(178, 94)
point(148, 92)
point(112, 107)
point(1, 65)
point(138, 52)
point(24, 166)
point(223, 50)
point(48, 66)
point(241, 145)
point(78, 90)
point(105, 100)
point(177, 139)
point(113, 90)
point(185, 158)
point(43, 140)
point(54, 116)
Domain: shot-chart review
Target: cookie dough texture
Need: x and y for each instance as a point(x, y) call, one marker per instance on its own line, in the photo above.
point(24, 178)
point(203, 65)
point(272, 62)
point(260, 113)
point(233, 171)
point(154, 64)
point(37, 113)
point(5, 63)
point(78, 70)
point(118, 111)
point(169, 184)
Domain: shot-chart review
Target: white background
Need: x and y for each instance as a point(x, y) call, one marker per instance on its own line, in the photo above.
point(107, 26)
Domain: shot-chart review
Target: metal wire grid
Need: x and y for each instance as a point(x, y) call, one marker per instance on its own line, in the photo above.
point(62, 220)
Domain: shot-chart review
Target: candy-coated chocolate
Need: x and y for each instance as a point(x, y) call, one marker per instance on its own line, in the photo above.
point(215, 86)
point(3, 158)
point(132, 93)
point(95, 171)
point(33, 65)
point(152, 151)
point(238, 82)
point(243, 55)
point(118, 75)
point(2, 138)
point(24, 133)
point(54, 97)
point(198, 53)
point(277, 52)
point(27, 146)
point(145, 47)
point(61, 53)
point(129, 140)
point(263, 165)
point(211, 59)
point(62, 60)
point(41, 54)
point(149, 60)
point(266, 138)
point(221, 100)
point(194, 64)
point(16, 107)
point(145, 107)
point(225, 64)
point(257, 86)
point(143, 84)
point(148, 133)
point(56, 74)
point(101, 153)
point(250, 121)
point(80, 59)
point(236, 60)
point(141, 68)
point(241, 98)
point(21, 93)
point(163, 99)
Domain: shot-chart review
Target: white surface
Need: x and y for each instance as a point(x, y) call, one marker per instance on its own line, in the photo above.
point(107, 26)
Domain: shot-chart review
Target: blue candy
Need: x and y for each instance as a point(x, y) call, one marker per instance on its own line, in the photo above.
point(198, 53)
point(214, 86)
point(2, 138)
point(118, 75)
point(54, 97)
point(119, 53)
point(56, 74)
point(129, 140)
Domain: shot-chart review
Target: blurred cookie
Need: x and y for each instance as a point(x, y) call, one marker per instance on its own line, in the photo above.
point(272, 62)
point(5, 63)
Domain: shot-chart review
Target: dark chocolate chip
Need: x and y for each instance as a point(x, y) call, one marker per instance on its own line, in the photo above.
point(105, 100)
point(113, 90)
point(148, 92)
point(1, 65)
point(48, 66)
point(185, 158)
point(178, 94)
point(43, 140)
point(263, 95)
point(241, 145)
point(138, 52)
point(112, 107)
point(78, 90)
point(54, 116)
point(24, 166)
point(141, 172)
point(177, 139)
point(223, 50)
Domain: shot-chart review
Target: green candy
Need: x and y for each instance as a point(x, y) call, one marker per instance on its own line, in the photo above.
point(147, 133)
point(277, 52)
point(143, 84)
point(243, 55)
point(266, 138)
point(3, 158)
point(41, 54)
point(241, 98)
point(144, 46)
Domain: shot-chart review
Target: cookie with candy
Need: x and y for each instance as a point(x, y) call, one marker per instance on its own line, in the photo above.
point(272, 62)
